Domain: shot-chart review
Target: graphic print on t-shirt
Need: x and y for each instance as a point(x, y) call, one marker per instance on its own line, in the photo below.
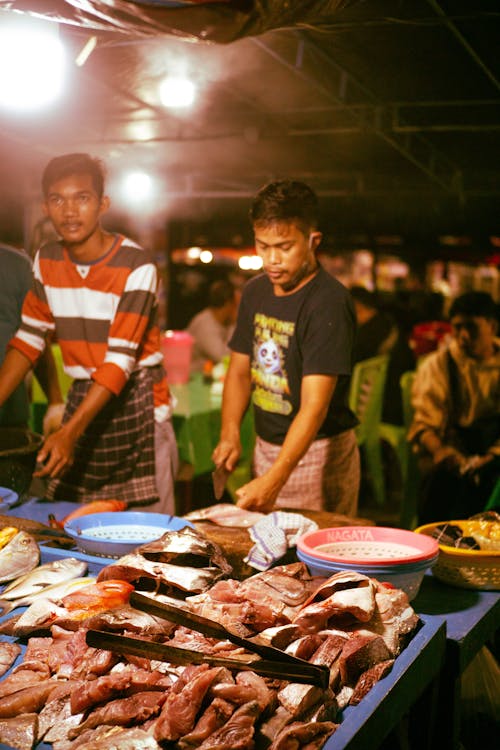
point(270, 342)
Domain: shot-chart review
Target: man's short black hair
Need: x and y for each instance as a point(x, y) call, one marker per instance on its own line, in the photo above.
point(70, 164)
point(219, 293)
point(474, 305)
point(286, 201)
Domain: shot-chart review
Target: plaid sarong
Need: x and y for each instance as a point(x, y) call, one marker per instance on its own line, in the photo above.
point(115, 457)
point(326, 478)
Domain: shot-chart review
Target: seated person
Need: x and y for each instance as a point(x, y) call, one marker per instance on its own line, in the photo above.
point(376, 332)
point(212, 327)
point(456, 424)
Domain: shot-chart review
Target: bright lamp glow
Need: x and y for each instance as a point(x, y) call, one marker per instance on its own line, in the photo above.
point(206, 256)
point(33, 65)
point(177, 92)
point(138, 186)
point(250, 263)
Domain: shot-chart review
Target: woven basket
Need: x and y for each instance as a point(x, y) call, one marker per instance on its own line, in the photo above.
point(467, 569)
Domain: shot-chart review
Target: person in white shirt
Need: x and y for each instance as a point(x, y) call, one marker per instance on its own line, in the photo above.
point(212, 328)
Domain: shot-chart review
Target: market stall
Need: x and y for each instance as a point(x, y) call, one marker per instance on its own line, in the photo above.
point(452, 625)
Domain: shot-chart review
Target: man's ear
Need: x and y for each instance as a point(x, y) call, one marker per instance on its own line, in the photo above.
point(314, 239)
point(105, 203)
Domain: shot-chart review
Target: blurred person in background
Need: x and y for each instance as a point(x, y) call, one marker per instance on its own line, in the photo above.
point(212, 328)
point(376, 332)
point(96, 291)
point(456, 423)
point(380, 331)
point(291, 352)
point(15, 282)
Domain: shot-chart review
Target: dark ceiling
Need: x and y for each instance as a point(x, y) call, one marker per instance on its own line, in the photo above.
point(390, 109)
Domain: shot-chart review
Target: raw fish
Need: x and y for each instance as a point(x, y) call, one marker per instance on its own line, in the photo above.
point(19, 556)
point(226, 514)
point(54, 592)
point(45, 575)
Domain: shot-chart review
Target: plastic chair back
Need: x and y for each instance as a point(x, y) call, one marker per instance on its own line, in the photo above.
point(411, 479)
point(365, 400)
point(366, 395)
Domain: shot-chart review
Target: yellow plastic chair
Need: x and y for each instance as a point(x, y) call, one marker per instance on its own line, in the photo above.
point(365, 400)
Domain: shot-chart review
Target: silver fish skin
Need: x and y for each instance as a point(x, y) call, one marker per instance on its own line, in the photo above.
point(45, 575)
point(52, 593)
point(19, 556)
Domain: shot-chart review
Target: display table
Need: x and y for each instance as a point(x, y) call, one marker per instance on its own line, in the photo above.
point(366, 725)
point(456, 624)
point(472, 618)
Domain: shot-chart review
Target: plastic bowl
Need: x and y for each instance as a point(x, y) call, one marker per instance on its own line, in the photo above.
point(367, 545)
point(119, 533)
point(393, 556)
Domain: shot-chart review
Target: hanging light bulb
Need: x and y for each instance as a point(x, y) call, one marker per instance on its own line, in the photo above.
point(33, 65)
point(177, 92)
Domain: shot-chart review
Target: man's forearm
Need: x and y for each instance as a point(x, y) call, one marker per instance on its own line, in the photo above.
point(13, 371)
point(46, 372)
point(95, 400)
point(235, 400)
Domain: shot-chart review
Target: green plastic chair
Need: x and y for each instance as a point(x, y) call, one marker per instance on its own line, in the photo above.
point(38, 398)
point(365, 400)
point(411, 474)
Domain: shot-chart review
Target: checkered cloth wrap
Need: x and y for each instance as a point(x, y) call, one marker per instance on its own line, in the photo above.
point(273, 535)
point(326, 478)
point(115, 456)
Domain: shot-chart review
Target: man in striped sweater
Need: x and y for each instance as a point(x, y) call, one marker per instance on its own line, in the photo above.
point(95, 291)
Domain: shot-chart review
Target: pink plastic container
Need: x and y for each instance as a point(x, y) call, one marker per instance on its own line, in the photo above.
point(177, 349)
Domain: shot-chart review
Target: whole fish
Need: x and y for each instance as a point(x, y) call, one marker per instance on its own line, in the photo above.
point(56, 571)
point(18, 557)
point(40, 582)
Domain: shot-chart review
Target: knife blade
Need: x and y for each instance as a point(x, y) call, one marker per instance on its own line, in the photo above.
point(219, 479)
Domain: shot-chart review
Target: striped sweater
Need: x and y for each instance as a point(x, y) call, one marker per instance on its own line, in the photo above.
point(103, 314)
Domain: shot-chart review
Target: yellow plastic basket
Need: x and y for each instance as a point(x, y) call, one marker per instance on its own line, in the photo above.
point(468, 569)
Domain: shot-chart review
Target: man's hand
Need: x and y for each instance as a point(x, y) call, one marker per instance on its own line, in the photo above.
point(450, 457)
point(53, 418)
point(260, 494)
point(227, 453)
point(56, 454)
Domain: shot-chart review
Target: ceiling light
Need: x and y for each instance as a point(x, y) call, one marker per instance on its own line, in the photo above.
point(206, 256)
point(177, 92)
point(33, 65)
point(138, 186)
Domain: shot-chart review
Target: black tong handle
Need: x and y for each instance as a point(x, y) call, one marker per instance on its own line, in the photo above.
point(312, 675)
point(214, 630)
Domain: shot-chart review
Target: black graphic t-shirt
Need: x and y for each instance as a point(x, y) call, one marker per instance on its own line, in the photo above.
point(309, 332)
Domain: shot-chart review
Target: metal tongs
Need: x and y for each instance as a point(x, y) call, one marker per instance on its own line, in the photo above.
point(273, 662)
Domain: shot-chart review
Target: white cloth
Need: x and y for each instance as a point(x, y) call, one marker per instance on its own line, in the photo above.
point(273, 535)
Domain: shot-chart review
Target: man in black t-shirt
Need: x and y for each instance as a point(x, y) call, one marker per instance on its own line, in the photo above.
point(292, 353)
